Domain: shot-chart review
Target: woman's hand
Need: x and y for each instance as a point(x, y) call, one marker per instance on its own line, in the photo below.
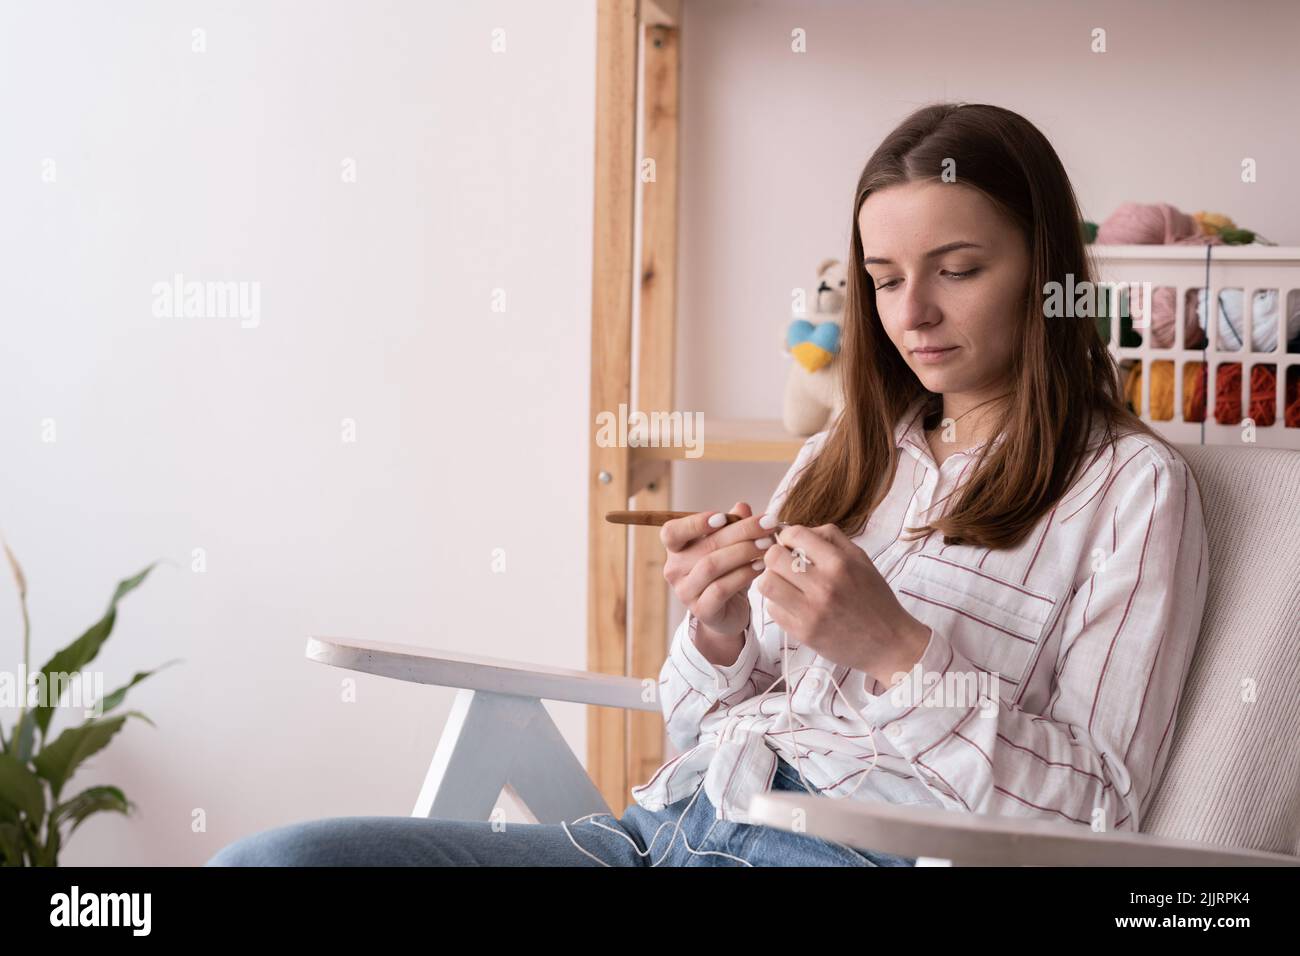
point(710, 569)
point(823, 591)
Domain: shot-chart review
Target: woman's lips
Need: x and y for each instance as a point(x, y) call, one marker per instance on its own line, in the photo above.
point(934, 356)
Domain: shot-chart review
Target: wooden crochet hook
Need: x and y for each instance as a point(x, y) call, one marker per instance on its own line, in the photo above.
point(662, 517)
point(657, 517)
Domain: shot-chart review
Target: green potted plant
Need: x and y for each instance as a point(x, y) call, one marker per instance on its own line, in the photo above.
point(36, 819)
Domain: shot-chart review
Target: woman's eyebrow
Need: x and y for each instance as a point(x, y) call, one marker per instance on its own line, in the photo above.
point(960, 244)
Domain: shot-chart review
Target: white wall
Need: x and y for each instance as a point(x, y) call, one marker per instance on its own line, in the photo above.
point(474, 172)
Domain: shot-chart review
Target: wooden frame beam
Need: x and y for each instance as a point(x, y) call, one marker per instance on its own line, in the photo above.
point(609, 470)
point(655, 368)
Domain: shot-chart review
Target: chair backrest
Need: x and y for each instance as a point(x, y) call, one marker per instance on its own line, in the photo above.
point(1233, 775)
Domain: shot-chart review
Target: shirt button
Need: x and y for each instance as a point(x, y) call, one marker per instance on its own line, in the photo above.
point(893, 730)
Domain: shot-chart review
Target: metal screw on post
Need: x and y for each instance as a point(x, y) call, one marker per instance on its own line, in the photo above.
point(605, 477)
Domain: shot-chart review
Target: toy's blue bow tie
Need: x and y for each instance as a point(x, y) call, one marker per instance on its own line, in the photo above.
point(813, 346)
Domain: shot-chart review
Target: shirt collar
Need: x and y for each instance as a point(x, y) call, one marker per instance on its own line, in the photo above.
point(909, 434)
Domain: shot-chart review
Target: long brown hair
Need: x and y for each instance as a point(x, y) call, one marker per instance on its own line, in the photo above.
point(1063, 379)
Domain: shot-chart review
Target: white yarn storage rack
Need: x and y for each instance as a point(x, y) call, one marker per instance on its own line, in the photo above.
point(1249, 268)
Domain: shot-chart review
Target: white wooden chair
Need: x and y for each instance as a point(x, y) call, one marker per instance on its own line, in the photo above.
point(1230, 794)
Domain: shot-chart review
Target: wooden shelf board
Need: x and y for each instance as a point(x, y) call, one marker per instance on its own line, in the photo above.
point(730, 440)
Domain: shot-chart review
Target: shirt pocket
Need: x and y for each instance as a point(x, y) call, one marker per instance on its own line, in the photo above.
point(996, 623)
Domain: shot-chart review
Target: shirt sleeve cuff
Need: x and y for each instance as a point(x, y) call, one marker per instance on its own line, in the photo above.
point(714, 681)
point(924, 707)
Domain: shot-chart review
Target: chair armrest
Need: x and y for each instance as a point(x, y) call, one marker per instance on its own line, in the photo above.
point(428, 665)
point(981, 839)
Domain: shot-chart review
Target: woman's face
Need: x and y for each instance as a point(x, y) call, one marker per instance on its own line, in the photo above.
point(950, 274)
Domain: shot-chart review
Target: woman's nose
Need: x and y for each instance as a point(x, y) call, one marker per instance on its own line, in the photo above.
point(916, 307)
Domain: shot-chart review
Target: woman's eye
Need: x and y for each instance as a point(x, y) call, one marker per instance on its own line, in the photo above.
point(892, 283)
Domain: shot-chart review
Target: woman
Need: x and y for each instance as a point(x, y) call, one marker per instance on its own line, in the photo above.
point(991, 579)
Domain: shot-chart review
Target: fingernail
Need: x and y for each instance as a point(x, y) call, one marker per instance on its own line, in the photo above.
point(758, 565)
point(767, 521)
point(717, 520)
point(763, 543)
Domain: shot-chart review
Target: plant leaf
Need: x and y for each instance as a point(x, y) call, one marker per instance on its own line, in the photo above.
point(11, 844)
point(24, 736)
point(91, 800)
point(21, 789)
point(83, 650)
point(21, 580)
point(51, 856)
point(58, 761)
point(116, 697)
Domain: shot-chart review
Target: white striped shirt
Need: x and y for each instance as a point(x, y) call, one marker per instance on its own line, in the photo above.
point(1088, 624)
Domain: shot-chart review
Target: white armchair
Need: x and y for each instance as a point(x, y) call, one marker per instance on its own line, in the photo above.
point(1230, 794)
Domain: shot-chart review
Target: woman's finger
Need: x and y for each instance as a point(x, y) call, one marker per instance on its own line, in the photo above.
point(680, 532)
point(718, 564)
point(817, 547)
point(776, 588)
point(721, 590)
point(788, 565)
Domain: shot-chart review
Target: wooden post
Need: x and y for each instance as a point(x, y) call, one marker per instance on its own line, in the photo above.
point(655, 359)
point(611, 361)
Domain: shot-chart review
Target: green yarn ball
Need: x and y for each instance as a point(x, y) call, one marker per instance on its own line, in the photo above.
point(1237, 237)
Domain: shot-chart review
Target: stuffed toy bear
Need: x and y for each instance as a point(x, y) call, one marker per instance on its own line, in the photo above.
point(814, 387)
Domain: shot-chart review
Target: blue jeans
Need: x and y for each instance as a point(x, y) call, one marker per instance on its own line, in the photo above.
point(639, 838)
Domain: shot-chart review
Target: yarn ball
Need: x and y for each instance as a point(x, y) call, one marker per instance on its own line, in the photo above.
point(1227, 406)
point(1263, 392)
point(1232, 326)
point(1292, 412)
point(1136, 223)
point(1162, 390)
point(1213, 221)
